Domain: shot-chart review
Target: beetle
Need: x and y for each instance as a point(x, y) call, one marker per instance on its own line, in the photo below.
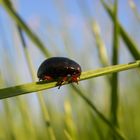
point(59, 69)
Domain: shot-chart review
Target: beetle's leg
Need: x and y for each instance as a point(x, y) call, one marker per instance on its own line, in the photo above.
point(59, 84)
point(61, 81)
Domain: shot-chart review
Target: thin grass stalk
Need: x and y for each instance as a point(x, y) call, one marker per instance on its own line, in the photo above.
point(43, 106)
point(100, 45)
point(134, 8)
point(67, 134)
point(70, 125)
point(8, 6)
point(114, 85)
point(28, 122)
point(97, 127)
point(130, 44)
point(95, 31)
point(18, 20)
point(114, 130)
point(114, 100)
point(46, 117)
point(8, 126)
point(31, 131)
point(9, 121)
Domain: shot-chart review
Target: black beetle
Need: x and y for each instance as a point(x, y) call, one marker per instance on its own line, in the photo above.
point(59, 69)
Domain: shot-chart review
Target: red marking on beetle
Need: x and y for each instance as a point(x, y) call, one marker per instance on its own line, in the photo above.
point(74, 79)
point(48, 78)
point(59, 69)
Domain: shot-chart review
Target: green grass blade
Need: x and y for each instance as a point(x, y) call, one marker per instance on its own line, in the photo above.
point(18, 20)
point(9, 122)
point(132, 47)
point(69, 122)
point(46, 117)
point(30, 130)
point(108, 123)
point(130, 44)
point(114, 79)
point(68, 136)
point(45, 114)
point(38, 86)
point(102, 52)
point(114, 100)
point(100, 44)
point(134, 7)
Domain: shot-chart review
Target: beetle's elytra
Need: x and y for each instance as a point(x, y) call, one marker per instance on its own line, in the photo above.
point(60, 69)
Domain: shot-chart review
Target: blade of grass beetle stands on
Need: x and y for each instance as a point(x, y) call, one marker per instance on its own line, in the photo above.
point(38, 86)
point(109, 70)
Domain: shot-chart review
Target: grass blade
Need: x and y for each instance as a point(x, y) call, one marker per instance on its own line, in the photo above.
point(108, 123)
point(38, 86)
point(134, 8)
point(11, 130)
point(114, 79)
point(30, 130)
point(18, 20)
point(69, 122)
point(45, 114)
point(130, 44)
point(100, 44)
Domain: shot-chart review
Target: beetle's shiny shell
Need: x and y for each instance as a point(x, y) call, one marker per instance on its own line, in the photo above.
point(56, 67)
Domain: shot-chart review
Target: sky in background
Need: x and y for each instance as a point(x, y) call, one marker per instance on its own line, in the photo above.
point(71, 14)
